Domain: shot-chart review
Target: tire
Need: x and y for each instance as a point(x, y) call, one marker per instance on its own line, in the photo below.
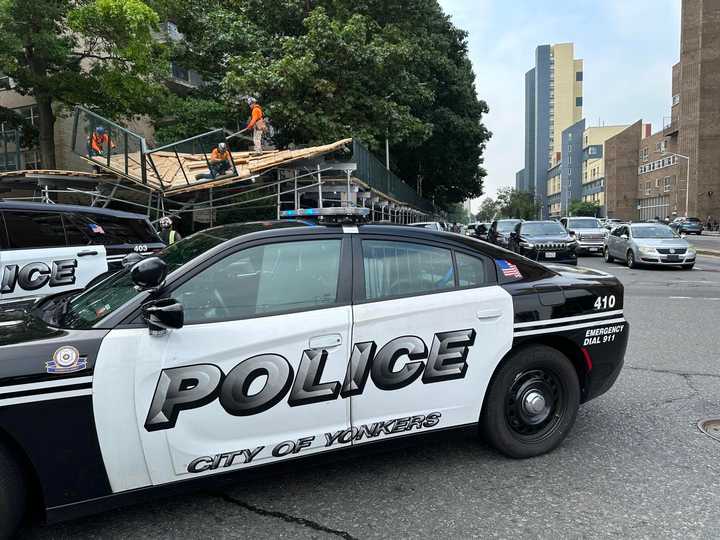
point(608, 258)
point(630, 259)
point(688, 266)
point(13, 495)
point(505, 422)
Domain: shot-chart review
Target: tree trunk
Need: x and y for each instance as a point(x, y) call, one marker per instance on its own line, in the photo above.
point(46, 131)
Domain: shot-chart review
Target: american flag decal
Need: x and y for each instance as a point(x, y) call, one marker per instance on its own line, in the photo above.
point(508, 269)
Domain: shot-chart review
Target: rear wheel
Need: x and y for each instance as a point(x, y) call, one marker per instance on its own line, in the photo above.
point(531, 403)
point(608, 258)
point(13, 494)
point(630, 259)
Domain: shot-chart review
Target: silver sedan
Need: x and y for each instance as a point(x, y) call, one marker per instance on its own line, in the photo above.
point(649, 243)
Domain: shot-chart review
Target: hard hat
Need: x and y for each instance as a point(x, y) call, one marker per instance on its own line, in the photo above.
point(222, 146)
point(100, 130)
point(165, 222)
point(251, 100)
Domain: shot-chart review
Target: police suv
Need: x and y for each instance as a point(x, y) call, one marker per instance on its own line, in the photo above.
point(246, 345)
point(52, 248)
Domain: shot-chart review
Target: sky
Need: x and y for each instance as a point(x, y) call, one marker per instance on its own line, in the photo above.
point(628, 48)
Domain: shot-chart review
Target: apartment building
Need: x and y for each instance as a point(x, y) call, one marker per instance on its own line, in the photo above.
point(593, 162)
point(553, 102)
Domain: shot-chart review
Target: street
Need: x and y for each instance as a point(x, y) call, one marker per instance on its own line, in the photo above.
point(635, 464)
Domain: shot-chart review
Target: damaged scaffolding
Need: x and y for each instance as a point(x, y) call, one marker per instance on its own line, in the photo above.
point(177, 179)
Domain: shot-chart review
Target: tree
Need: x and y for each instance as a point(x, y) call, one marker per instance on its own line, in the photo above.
point(584, 208)
point(516, 204)
point(330, 69)
point(99, 53)
point(488, 210)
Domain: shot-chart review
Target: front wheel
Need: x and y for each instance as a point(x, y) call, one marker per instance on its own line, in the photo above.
point(630, 259)
point(531, 403)
point(13, 495)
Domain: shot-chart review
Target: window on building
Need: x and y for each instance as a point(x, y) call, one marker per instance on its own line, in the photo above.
point(180, 73)
point(676, 99)
point(668, 183)
point(578, 101)
point(578, 76)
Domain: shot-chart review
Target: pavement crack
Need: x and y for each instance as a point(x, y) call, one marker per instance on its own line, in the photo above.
point(674, 372)
point(285, 517)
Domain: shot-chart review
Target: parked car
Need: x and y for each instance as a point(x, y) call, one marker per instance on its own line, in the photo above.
point(52, 248)
point(543, 241)
point(251, 345)
point(432, 225)
point(690, 225)
point(481, 231)
point(500, 230)
point(649, 244)
point(588, 232)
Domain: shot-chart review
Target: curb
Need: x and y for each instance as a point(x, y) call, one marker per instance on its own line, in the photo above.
point(709, 252)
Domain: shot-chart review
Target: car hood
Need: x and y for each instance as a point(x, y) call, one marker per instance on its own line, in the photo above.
point(547, 238)
point(662, 242)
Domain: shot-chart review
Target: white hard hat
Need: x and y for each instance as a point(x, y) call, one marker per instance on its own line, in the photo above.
point(165, 222)
point(222, 146)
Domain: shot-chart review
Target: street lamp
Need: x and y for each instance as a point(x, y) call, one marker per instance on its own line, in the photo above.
point(687, 182)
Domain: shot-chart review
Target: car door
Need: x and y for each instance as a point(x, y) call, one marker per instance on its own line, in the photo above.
point(427, 335)
point(252, 377)
point(620, 242)
point(37, 259)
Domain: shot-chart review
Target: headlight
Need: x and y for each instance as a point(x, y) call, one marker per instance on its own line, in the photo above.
point(646, 250)
point(527, 245)
point(691, 252)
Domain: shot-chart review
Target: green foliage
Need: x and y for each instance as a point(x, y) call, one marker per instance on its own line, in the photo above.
point(583, 208)
point(489, 208)
point(329, 69)
point(98, 53)
point(516, 204)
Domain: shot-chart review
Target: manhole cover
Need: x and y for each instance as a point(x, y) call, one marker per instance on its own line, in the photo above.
point(711, 427)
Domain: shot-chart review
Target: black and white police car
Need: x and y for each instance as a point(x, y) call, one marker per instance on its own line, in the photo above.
point(251, 344)
point(53, 248)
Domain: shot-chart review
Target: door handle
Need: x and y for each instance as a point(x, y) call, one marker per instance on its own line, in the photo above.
point(325, 342)
point(485, 314)
point(86, 253)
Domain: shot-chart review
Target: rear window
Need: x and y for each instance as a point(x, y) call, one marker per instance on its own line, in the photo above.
point(112, 230)
point(27, 229)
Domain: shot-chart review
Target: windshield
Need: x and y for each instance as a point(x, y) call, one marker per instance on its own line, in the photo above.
point(583, 223)
point(507, 225)
point(96, 303)
point(693, 220)
point(656, 231)
point(543, 229)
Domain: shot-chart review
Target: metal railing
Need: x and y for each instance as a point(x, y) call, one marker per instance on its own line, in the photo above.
point(373, 172)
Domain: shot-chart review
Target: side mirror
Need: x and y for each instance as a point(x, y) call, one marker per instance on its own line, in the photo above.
point(162, 315)
point(571, 232)
point(624, 236)
point(149, 273)
point(131, 259)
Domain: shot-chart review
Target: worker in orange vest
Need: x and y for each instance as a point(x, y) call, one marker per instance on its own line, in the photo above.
point(256, 123)
point(99, 142)
point(220, 162)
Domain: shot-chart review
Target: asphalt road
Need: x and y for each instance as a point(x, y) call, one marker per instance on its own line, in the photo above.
point(634, 466)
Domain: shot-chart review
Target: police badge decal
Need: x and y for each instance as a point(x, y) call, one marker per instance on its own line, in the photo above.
point(66, 360)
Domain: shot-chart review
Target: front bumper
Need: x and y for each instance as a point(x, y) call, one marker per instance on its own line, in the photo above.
point(590, 246)
point(560, 257)
point(667, 260)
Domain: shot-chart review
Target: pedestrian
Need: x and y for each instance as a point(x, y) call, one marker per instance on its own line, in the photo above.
point(168, 234)
point(708, 223)
point(256, 123)
point(220, 162)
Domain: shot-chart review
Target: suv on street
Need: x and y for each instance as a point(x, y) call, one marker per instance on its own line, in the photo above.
point(690, 225)
point(588, 232)
point(544, 241)
point(51, 248)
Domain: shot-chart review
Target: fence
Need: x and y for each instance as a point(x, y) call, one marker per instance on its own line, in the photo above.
point(373, 172)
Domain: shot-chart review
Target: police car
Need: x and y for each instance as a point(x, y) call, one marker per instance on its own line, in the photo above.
point(252, 344)
point(52, 248)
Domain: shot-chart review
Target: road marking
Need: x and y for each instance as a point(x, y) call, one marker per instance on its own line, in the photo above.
point(681, 298)
point(692, 298)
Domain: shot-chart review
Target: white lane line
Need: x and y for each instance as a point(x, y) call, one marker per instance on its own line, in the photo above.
point(692, 298)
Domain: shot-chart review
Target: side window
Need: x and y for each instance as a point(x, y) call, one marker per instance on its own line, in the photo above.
point(264, 280)
point(402, 268)
point(112, 230)
point(472, 272)
point(28, 229)
point(564, 222)
point(76, 235)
